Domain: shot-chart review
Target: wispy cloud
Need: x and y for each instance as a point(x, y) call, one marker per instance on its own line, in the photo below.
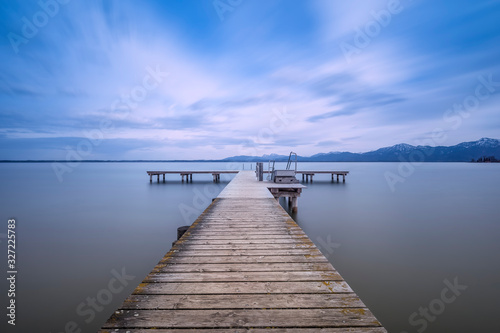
point(226, 78)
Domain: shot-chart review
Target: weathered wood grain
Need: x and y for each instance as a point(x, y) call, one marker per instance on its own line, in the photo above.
point(245, 259)
point(242, 301)
point(193, 241)
point(243, 276)
point(243, 318)
point(241, 252)
point(256, 330)
point(248, 267)
point(286, 246)
point(181, 288)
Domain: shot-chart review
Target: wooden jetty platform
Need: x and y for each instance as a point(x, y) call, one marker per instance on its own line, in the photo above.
point(188, 175)
point(308, 175)
point(243, 266)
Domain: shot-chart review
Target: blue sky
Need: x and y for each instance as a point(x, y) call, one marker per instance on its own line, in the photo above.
point(210, 79)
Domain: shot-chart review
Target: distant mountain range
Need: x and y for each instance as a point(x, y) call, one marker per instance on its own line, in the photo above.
point(463, 152)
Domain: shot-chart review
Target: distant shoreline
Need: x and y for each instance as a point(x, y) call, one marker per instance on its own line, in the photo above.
point(211, 161)
point(463, 152)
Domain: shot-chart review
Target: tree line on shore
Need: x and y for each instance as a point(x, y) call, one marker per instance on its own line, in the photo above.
point(486, 159)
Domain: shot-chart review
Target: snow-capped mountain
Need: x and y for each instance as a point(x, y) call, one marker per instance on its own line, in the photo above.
point(462, 152)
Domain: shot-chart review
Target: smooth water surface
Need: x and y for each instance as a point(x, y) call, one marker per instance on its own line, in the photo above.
point(395, 248)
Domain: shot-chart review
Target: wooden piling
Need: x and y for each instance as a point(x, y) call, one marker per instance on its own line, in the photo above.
point(294, 204)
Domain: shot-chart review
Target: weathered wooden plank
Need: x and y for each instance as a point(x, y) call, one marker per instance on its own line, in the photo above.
point(256, 330)
point(244, 227)
point(190, 172)
point(275, 252)
point(223, 236)
point(244, 218)
point(237, 216)
point(242, 301)
point(248, 267)
point(189, 246)
point(279, 226)
point(193, 241)
point(180, 288)
point(243, 276)
point(244, 259)
point(344, 317)
point(247, 235)
point(253, 232)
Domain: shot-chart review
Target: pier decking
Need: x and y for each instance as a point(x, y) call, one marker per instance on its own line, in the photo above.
point(188, 175)
point(243, 266)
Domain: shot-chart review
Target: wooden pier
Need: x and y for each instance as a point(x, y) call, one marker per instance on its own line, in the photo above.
point(243, 266)
point(308, 175)
point(188, 175)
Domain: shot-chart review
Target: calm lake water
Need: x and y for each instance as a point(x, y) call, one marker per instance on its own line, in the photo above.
point(399, 250)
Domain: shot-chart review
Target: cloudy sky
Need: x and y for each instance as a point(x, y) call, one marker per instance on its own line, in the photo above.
point(210, 79)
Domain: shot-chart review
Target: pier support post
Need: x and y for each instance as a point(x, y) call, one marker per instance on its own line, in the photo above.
point(338, 178)
point(150, 178)
point(302, 177)
point(158, 178)
point(294, 204)
point(260, 171)
point(163, 177)
point(191, 177)
point(343, 178)
point(181, 231)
